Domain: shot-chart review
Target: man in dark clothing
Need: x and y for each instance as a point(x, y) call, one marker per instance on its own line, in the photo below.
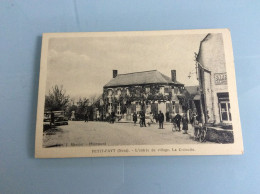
point(86, 117)
point(177, 120)
point(185, 124)
point(156, 117)
point(52, 123)
point(113, 115)
point(142, 114)
point(161, 119)
point(167, 116)
point(135, 117)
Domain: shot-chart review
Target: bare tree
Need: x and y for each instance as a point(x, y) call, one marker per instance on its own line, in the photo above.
point(57, 99)
point(82, 105)
point(92, 99)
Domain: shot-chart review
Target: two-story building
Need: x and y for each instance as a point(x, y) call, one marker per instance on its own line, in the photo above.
point(148, 91)
point(213, 81)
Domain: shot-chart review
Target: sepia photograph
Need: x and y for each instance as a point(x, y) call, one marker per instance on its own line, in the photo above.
point(137, 94)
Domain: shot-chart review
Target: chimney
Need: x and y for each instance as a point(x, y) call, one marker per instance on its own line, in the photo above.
point(173, 73)
point(114, 73)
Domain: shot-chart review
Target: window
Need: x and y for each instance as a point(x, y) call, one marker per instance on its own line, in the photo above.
point(133, 108)
point(110, 92)
point(224, 107)
point(138, 107)
point(147, 90)
point(154, 108)
point(166, 90)
point(176, 90)
point(128, 110)
point(119, 109)
point(110, 99)
point(148, 109)
point(127, 92)
point(177, 108)
point(118, 93)
point(225, 111)
point(162, 90)
point(110, 107)
point(169, 107)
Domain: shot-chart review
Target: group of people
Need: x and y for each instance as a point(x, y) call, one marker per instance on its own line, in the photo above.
point(176, 120)
point(142, 118)
point(160, 118)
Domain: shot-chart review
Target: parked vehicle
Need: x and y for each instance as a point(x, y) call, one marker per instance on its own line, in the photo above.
point(59, 118)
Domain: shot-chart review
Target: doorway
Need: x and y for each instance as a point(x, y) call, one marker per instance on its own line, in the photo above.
point(162, 108)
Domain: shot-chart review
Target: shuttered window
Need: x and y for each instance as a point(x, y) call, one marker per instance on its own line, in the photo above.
point(177, 108)
point(154, 108)
point(169, 107)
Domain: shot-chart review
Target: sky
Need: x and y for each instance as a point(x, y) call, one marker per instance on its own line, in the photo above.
point(83, 65)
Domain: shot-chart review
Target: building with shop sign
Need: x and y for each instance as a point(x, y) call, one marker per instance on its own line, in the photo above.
point(212, 76)
point(148, 91)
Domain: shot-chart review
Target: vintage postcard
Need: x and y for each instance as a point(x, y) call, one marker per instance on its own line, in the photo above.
point(146, 93)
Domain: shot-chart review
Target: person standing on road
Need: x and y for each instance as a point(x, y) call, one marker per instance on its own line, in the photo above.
point(173, 120)
point(142, 114)
point(140, 120)
point(73, 118)
point(113, 117)
point(135, 118)
point(194, 120)
point(185, 122)
point(177, 119)
point(52, 123)
point(156, 117)
point(86, 117)
point(161, 119)
point(150, 119)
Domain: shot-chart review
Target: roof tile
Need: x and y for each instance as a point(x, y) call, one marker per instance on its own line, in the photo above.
point(140, 78)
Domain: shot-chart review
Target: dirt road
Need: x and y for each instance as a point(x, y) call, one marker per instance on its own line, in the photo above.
point(79, 133)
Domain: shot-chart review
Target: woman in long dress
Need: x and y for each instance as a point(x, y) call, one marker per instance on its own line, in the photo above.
point(135, 118)
point(185, 122)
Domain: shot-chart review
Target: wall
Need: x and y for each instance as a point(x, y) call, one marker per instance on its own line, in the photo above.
point(213, 59)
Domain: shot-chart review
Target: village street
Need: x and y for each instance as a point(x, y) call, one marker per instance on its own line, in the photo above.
point(80, 133)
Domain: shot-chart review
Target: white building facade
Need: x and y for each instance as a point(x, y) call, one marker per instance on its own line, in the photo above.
point(213, 81)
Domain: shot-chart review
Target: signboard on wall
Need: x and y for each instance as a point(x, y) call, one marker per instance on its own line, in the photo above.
point(220, 78)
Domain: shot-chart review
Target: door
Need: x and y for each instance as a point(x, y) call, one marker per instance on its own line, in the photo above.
point(119, 109)
point(162, 108)
point(138, 108)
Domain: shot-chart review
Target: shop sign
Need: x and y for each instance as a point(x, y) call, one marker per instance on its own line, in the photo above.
point(220, 78)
